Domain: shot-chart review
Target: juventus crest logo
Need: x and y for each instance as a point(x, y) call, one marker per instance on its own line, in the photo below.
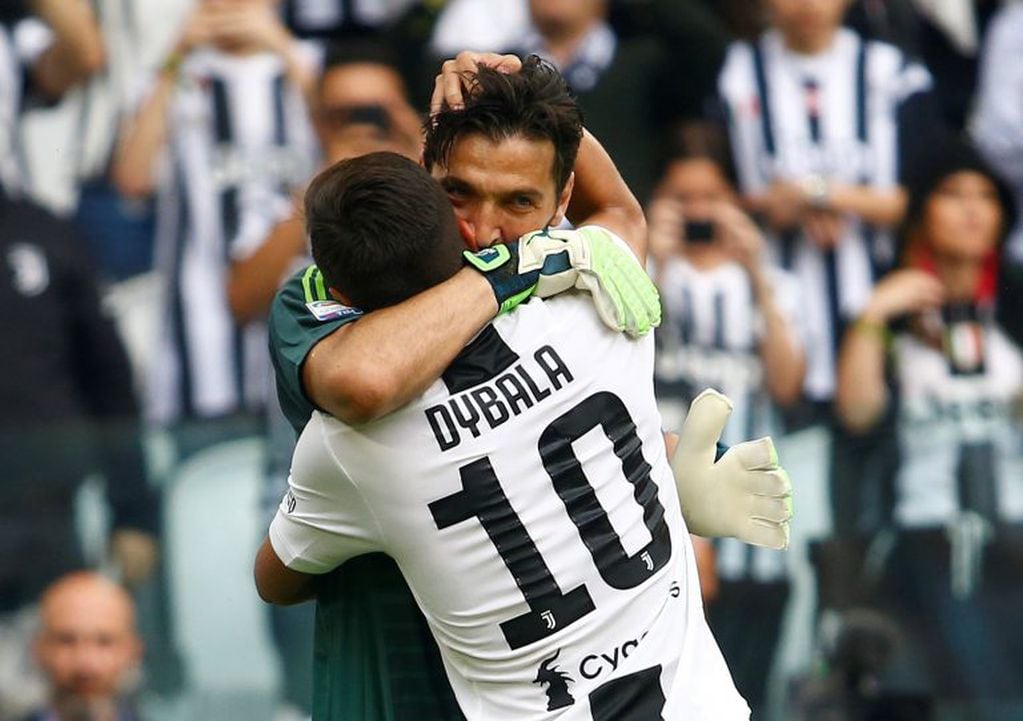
point(548, 618)
point(647, 560)
point(556, 682)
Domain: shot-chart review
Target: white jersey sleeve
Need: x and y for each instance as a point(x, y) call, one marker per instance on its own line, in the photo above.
point(322, 520)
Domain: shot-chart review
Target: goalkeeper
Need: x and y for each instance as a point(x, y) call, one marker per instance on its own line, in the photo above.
point(506, 161)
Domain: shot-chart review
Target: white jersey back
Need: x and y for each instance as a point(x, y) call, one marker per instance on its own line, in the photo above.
point(529, 503)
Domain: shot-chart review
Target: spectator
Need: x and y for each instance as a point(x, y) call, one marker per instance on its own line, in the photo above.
point(360, 107)
point(88, 649)
point(57, 49)
point(229, 107)
point(67, 406)
point(620, 83)
point(821, 122)
point(928, 344)
point(730, 324)
point(998, 129)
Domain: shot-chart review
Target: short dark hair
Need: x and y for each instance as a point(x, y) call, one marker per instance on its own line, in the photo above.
point(534, 103)
point(381, 229)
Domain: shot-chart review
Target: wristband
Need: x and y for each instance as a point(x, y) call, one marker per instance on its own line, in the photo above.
point(869, 327)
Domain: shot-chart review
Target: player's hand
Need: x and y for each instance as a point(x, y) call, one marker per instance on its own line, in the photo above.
point(744, 495)
point(595, 260)
point(500, 265)
point(449, 86)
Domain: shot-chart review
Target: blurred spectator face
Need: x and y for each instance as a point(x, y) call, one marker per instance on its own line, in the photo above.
point(963, 216)
point(558, 17)
point(697, 184)
point(362, 109)
point(87, 643)
point(807, 24)
point(504, 189)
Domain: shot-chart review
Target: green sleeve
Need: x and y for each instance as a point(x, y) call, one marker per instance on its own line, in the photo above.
point(302, 314)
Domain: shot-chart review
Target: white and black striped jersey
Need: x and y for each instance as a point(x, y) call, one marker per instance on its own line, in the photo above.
point(710, 338)
point(528, 501)
point(240, 140)
point(836, 115)
point(20, 45)
point(960, 435)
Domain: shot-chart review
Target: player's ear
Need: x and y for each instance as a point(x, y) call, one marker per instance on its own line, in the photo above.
point(339, 296)
point(563, 200)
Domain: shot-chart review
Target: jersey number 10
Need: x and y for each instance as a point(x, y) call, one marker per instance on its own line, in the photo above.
point(481, 497)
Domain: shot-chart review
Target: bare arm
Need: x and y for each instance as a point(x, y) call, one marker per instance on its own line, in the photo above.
point(77, 50)
point(784, 362)
point(367, 369)
point(876, 206)
point(862, 394)
point(143, 138)
point(601, 197)
point(278, 584)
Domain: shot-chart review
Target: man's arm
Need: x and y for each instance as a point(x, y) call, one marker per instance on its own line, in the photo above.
point(77, 48)
point(367, 369)
point(278, 584)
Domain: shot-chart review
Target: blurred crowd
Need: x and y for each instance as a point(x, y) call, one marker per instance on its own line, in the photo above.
point(831, 190)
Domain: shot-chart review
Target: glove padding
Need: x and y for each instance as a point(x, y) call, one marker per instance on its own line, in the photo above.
point(744, 495)
point(593, 259)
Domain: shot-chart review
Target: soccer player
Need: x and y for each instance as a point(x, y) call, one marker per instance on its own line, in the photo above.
point(504, 161)
point(526, 496)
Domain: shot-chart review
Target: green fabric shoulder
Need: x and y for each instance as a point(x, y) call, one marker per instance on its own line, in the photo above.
point(302, 314)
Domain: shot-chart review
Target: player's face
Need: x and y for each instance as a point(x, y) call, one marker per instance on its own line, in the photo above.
point(963, 216)
point(87, 646)
point(502, 189)
point(807, 24)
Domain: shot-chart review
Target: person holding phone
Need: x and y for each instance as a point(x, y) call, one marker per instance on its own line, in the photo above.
point(928, 346)
point(730, 324)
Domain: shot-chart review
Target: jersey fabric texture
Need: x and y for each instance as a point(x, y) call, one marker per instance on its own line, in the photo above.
point(240, 140)
point(528, 501)
point(836, 115)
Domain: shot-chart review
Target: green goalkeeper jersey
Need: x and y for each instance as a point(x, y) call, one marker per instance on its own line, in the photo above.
point(374, 658)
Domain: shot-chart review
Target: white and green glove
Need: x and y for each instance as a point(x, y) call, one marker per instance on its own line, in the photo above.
point(744, 495)
point(593, 259)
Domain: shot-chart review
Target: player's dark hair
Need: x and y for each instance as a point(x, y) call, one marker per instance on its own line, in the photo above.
point(534, 103)
point(381, 229)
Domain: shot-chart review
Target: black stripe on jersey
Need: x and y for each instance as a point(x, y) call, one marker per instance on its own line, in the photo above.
point(484, 358)
point(223, 134)
point(719, 321)
point(278, 110)
point(687, 321)
point(766, 126)
point(862, 132)
point(636, 697)
point(831, 290)
point(178, 324)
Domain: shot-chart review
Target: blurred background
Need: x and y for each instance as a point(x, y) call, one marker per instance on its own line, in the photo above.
point(831, 189)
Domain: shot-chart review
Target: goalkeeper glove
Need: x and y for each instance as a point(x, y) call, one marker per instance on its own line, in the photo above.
point(745, 494)
point(499, 264)
point(593, 259)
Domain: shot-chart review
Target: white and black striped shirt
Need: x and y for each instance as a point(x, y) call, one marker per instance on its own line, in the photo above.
point(835, 115)
point(240, 141)
point(710, 339)
point(20, 45)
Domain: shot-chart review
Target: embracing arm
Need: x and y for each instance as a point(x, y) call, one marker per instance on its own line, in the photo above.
point(601, 197)
point(367, 369)
point(77, 50)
